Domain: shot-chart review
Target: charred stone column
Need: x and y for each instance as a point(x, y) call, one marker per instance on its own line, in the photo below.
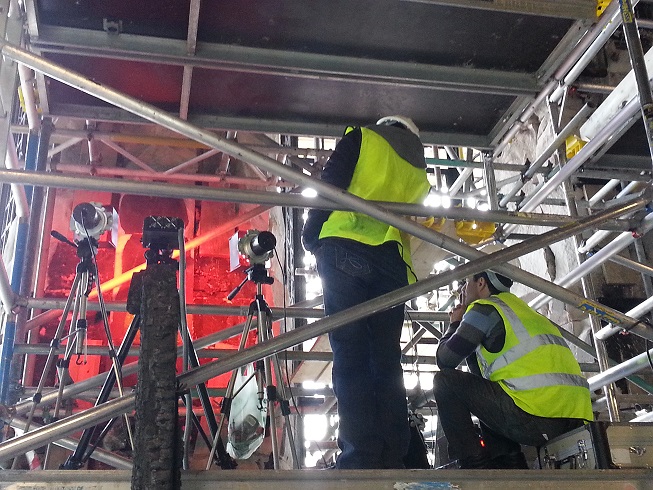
point(157, 439)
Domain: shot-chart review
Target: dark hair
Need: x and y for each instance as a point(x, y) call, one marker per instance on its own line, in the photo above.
point(506, 281)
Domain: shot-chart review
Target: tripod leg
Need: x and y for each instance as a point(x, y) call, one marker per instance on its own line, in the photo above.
point(80, 455)
point(74, 338)
point(263, 321)
point(117, 365)
point(280, 392)
point(54, 345)
point(203, 395)
point(285, 409)
point(271, 389)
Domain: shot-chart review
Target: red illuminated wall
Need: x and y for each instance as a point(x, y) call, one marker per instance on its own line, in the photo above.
point(208, 277)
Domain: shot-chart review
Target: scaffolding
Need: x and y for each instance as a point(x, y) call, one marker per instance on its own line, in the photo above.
point(553, 201)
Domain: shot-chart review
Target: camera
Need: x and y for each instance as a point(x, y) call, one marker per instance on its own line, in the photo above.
point(162, 232)
point(256, 246)
point(90, 219)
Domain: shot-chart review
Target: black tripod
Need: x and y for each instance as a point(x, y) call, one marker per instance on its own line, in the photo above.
point(259, 308)
point(160, 268)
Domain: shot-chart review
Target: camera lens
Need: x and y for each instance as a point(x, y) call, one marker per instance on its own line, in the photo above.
point(263, 243)
point(86, 215)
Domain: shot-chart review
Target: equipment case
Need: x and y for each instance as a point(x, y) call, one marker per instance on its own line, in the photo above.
point(601, 445)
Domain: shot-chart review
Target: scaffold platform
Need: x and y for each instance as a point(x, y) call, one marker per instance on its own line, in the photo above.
point(631, 479)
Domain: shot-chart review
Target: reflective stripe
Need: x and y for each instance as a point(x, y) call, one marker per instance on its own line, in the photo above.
point(482, 362)
point(523, 348)
point(543, 380)
point(517, 326)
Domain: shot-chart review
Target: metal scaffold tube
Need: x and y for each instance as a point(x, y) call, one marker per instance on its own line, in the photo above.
point(631, 264)
point(603, 191)
point(18, 192)
point(589, 291)
point(7, 295)
point(640, 310)
point(54, 431)
point(578, 59)
point(597, 237)
point(634, 45)
point(99, 454)
point(613, 248)
point(619, 120)
point(580, 117)
point(620, 371)
point(287, 199)
point(70, 391)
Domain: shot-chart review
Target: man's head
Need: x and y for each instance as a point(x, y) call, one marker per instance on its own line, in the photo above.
point(483, 285)
point(399, 121)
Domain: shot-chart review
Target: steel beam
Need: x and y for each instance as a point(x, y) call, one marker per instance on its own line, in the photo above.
point(567, 9)
point(258, 125)
point(84, 42)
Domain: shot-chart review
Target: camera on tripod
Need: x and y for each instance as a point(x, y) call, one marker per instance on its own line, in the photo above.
point(91, 220)
point(255, 247)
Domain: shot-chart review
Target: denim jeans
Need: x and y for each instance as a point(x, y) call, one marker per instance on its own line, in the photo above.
point(367, 373)
point(504, 425)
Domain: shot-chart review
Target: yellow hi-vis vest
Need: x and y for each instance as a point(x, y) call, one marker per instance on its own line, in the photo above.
point(535, 367)
point(380, 175)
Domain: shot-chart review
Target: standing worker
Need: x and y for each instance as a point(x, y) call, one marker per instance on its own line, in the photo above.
point(358, 259)
point(525, 386)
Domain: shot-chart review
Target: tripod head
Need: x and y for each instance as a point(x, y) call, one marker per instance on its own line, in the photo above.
point(258, 274)
point(85, 249)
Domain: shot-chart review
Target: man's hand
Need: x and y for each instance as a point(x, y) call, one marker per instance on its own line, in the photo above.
point(456, 313)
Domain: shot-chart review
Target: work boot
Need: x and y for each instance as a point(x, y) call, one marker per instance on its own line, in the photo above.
point(511, 461)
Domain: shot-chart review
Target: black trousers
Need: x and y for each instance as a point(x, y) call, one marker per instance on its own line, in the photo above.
point(504, 426)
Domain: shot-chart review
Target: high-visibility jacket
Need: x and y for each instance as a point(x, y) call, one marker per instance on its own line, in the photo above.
point(535, 367)
point(388, 169)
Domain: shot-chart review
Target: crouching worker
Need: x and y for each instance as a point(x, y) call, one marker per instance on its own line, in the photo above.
point(524, 385)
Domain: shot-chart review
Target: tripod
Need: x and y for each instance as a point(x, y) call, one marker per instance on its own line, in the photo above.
point(85, 274)
point(259, 308)
point(160, 268)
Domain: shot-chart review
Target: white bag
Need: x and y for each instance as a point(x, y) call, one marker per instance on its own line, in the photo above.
point(246, 429)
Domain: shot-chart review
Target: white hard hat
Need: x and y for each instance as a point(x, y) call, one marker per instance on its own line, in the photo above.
point(492, 276)
point(406, 122)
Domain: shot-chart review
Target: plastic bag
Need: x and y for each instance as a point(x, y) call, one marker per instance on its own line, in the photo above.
point(246, 428)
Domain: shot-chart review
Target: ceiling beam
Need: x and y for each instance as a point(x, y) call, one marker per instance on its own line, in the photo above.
point(257, 125)
point(84, 42)
point(566, 9)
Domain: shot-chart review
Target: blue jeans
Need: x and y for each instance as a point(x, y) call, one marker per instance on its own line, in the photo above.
point(367, 373)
